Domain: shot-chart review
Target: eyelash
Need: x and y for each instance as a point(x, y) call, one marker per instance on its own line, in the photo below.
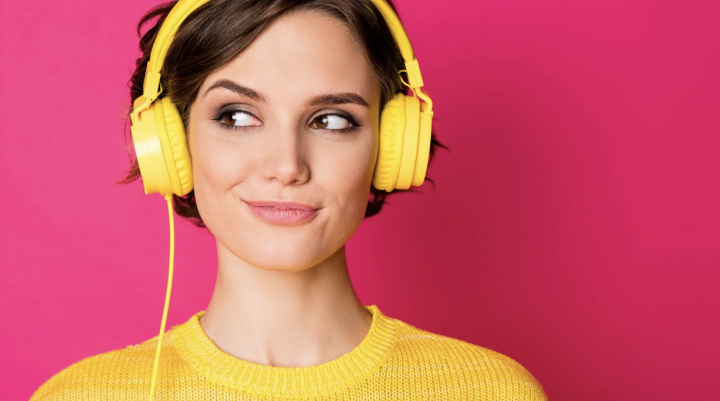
point(353, 124)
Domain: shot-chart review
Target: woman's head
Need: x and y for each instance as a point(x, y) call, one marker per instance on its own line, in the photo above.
point(281, 101)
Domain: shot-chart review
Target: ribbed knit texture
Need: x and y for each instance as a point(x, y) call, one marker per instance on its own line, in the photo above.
point(395, 361)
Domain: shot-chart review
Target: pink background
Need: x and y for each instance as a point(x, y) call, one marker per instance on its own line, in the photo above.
point(575, 226)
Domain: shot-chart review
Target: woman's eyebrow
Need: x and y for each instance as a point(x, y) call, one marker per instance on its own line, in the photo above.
point(338, 98)
point(329, 98)
point(237, 88)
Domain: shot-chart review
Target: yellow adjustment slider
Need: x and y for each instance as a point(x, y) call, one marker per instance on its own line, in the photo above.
point(423, 94)
point(151, 90)
point(139, 105)
point(414, 76)
point(151, 87)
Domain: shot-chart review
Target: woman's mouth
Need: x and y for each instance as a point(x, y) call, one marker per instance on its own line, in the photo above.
point(283, 213)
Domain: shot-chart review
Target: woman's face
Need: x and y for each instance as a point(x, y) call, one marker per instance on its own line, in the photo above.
point(293, 118)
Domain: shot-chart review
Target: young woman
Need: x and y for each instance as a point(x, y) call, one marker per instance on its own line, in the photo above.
point(270, 113)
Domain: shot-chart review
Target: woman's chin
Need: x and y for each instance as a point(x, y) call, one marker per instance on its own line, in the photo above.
point(283, 260)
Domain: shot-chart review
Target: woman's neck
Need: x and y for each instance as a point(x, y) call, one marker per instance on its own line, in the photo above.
point(285, 318)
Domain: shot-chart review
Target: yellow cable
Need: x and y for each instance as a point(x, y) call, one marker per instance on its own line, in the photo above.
point(168, 198)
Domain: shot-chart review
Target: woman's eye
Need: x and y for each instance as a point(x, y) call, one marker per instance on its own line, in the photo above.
point(332, 122)
point(237, 118)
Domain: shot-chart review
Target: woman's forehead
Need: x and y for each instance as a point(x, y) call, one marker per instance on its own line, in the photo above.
point(303, 51)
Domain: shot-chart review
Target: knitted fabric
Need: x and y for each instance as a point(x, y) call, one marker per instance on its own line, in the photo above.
point(395, 361)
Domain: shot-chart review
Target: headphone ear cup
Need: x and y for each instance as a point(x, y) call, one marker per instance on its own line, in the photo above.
point(149, 152)
point(161, 151)
point(179, 163)
point(410, 143)
point(392, 135)
point(423, 152)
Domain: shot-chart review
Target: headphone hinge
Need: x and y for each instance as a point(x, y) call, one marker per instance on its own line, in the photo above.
point(413, 72)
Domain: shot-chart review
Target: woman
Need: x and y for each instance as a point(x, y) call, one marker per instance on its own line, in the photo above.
point(282, 102)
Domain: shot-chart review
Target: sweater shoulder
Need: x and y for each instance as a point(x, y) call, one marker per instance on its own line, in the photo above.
point(482, 372)
point(109, 375)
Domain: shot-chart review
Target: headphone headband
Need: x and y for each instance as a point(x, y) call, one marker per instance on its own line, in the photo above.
point(183, 8)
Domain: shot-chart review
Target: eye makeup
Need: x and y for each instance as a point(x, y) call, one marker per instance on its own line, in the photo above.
point(224, 115)
point(347, 117)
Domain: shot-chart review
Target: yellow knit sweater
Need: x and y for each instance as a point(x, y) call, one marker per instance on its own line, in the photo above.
point(395, 361)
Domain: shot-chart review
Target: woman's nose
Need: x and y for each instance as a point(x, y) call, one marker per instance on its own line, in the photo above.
point(287, 158)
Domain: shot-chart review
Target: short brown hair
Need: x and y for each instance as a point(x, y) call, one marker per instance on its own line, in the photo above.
point(219, 30)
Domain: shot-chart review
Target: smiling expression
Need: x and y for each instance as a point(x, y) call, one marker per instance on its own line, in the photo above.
point(293, 118)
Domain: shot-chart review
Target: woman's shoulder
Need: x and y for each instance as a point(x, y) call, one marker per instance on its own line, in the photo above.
point(494, 374)
point(96, 377)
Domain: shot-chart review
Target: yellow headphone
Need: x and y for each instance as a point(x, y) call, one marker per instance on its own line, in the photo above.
point(158, 132)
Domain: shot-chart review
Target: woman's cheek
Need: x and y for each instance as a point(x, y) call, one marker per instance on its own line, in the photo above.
point(354, 179)
point(225, 164)
point(216, 169)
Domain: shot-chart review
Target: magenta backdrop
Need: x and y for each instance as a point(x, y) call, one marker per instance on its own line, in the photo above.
point(574, 226)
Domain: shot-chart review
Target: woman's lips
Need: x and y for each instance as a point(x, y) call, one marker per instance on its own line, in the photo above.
point(285, 213)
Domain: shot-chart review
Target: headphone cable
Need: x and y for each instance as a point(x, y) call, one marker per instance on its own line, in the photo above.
point(168, 198)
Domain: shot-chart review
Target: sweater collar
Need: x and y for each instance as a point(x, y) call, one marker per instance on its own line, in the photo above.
point(231, 372)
